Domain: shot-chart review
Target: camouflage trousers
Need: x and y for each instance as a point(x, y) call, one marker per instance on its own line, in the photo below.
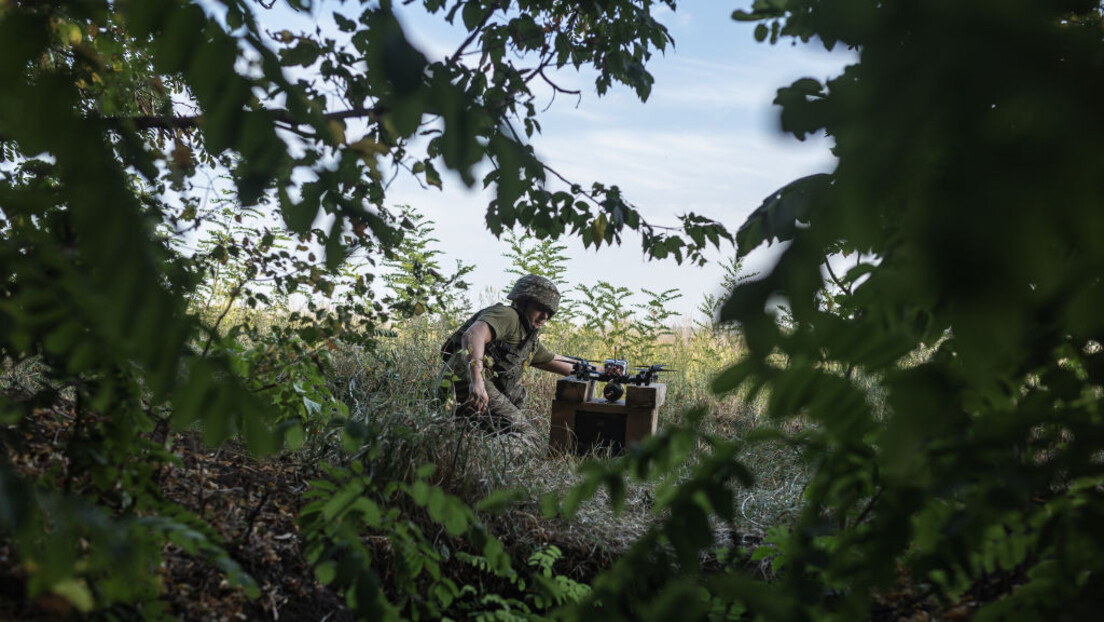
point(501, 416)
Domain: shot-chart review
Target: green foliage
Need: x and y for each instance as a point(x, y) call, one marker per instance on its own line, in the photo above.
point(293, 378)
point(416, 282)
point(251, 274)
point(961, 253)
point(107, 574)
point(639, 332)
point(532, 256)
point(544, 591)
point(556, 589)
point(967, 188)
point(116, 543)
point(113, 115)
point(710, 306)
point(652, 327)
point(545, 258)
point(351, 506)
point(609, 314)
point(654, 579)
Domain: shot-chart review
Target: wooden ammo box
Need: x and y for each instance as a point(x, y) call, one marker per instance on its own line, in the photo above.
point(582, 423)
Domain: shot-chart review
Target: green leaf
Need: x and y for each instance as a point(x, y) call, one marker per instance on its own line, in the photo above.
point(777, 217)
point(456, 517)
point(335, 248)
point(342, 500)
point(344, 24)
point(419, 492)
point(500, 499)
point(369, 510)
point(76, 592)
point(295, 436)
point(473, 14)
point(304, 54)
point(326, 572)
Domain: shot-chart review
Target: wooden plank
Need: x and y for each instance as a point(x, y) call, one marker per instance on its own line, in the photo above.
point(651, 396)
point(574, 390)
point(561, 436)
point(640, 423)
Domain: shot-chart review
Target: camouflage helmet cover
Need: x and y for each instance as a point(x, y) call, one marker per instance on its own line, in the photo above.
point(537, 288)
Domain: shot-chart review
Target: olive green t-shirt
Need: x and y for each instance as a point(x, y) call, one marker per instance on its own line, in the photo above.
point(506, 325)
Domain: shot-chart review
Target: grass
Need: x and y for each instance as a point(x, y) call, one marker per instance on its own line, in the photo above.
point(388, 389)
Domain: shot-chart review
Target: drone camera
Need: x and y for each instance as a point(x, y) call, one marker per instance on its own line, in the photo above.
point(615, 367)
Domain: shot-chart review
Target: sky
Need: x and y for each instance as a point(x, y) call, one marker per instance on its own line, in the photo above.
point(707, 141)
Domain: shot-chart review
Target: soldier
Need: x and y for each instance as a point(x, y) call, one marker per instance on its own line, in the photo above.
point(486, 356)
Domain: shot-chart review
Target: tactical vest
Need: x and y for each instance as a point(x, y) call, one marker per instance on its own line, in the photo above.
point(508, 362)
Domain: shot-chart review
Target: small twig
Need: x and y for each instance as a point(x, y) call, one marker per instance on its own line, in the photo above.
point(253, 517)
point(555, 87)
point(474, 33)
point(869, 506)
point(214, 329)
point(835, 279)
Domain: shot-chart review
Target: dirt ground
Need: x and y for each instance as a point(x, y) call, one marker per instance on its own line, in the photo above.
point(252, 504)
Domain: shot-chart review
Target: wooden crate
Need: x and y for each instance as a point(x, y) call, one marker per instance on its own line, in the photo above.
point(582, 423)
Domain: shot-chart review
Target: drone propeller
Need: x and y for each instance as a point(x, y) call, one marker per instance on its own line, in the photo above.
point(654, 368)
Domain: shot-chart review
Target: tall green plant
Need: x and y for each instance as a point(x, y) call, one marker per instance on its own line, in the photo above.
point(545, 258)
point(416, 281)
point(112, 377)
point(710, 306)
point(653, 325)
point(608, 317)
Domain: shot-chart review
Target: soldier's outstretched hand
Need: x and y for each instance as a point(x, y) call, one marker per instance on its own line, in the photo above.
point(477, 397)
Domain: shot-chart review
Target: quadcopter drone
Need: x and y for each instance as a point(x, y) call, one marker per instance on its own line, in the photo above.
point(614, 373)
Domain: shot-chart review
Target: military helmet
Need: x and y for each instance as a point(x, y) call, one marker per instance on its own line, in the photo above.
point(536, 288)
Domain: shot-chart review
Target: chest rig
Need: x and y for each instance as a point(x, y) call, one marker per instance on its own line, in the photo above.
point(507, 361)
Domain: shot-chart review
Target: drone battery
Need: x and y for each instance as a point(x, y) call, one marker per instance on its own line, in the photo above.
point(582, 423)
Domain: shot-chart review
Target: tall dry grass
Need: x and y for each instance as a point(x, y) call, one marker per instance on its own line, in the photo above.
point(389, 389)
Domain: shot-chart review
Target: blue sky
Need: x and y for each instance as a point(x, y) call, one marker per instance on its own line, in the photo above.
point(707, 141)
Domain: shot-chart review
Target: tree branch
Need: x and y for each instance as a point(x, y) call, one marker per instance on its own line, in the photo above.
point(194, 121)
point(597, 203)
point(474, 33)
point(840, 284)
point(555, 87)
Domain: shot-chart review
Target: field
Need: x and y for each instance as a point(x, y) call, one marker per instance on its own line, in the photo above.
point(465, 456)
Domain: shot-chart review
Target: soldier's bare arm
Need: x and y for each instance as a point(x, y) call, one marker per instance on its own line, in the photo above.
point(557, 366)
point(474, 342)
